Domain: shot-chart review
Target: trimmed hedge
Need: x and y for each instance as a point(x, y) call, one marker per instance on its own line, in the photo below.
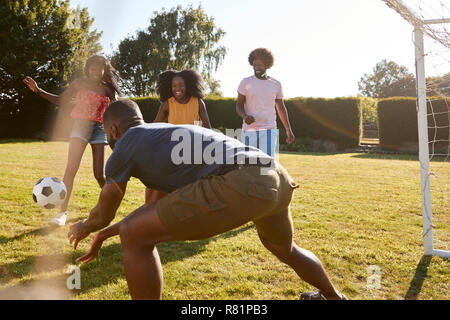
point(221, 111)
point(335, 120)
point(149, 107)
point(329, 120)
point(398, 127)
point(32, 120)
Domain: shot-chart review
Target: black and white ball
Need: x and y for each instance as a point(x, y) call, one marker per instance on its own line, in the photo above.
point(49, 192)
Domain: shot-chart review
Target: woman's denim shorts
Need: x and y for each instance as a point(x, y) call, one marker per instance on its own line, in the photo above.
point(89, 131)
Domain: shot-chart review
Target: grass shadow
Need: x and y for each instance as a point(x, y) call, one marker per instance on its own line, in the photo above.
point(44, 231)
point(399, 156)
point(387, 156)
point(4, 239)
point(108, 267)
point(13, 141)
point(419, 277)
point(32, 265)
point(180, 250)
point(52, 288)
point(310, 153)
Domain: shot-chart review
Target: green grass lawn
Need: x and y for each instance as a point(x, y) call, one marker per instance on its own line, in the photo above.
point(352, 210)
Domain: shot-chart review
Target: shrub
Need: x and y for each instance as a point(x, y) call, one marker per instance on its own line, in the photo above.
point(369, 111)
point(335, 120)
point(332, 121)
point(398, 127)
point(304, 144)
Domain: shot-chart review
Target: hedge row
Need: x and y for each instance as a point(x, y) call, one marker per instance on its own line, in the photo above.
point(335, 120)
point(30, 120)
point(221, 111)
point(332, 120)
point(398, 129)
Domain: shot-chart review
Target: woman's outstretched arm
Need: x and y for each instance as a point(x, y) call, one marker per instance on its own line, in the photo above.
point(53, 98)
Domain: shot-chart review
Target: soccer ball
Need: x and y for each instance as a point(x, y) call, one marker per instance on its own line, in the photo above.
point(49, 192)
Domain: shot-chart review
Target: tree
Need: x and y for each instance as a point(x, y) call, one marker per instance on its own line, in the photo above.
point(176, 39)
point(384, 75)
point(404, 87)
point(442, 83)
point(213, 86)
point(45, 40)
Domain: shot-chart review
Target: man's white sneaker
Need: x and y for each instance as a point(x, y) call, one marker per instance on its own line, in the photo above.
point(60, 220)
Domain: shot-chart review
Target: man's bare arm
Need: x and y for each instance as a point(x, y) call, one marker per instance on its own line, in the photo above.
point(282, 112)
point(240, 109)
point(101, 216)
point(105, 210)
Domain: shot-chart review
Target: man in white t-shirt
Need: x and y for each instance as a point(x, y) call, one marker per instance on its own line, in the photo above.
point(258, 97)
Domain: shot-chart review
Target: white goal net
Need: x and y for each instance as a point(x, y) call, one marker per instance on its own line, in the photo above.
point(430, 20)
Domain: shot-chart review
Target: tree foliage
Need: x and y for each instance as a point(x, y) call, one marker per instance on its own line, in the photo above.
point(404, 87)
point(392, 80)
point(385, 73)
point(179, 38)
point(442, 84)
point(45, 40)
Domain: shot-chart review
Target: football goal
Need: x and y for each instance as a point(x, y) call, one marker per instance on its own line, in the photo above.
point(430, 20)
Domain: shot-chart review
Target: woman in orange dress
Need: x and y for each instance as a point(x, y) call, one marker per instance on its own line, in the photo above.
point(181, 95)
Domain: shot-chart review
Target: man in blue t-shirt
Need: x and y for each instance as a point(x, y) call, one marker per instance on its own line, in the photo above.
point(215, 184)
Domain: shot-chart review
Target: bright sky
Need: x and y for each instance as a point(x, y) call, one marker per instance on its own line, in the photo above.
point(322, 47)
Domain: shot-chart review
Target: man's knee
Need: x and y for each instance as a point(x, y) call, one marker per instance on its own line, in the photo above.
point(282, 251)
point(135, 232)
point(125, 233)
point(129, 237)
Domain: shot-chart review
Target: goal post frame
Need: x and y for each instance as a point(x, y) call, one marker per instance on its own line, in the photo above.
point(420, 30)
point(424, 157)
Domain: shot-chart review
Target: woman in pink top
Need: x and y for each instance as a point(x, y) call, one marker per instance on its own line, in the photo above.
point(258, 97)
point(92, 95)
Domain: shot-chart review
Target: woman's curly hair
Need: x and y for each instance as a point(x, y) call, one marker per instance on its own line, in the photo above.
point(192, 79)
point(264, 54)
